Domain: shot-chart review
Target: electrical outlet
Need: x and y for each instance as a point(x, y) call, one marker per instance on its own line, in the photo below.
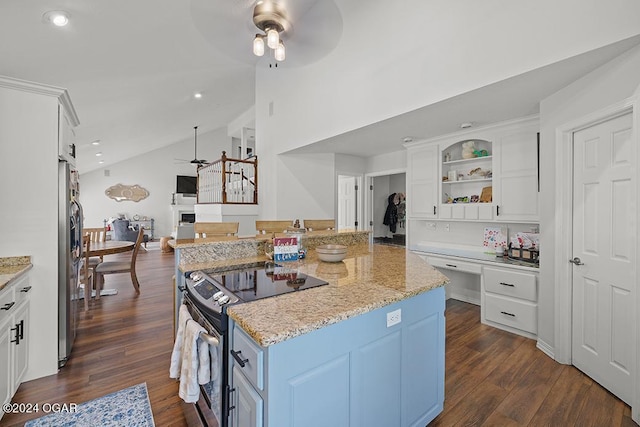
point(446, 227)
point(394, 317)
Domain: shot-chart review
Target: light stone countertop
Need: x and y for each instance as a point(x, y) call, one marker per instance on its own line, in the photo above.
point(370, 277)
point(13, 267)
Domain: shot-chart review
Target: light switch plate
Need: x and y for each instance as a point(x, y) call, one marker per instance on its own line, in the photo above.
point(394, 317)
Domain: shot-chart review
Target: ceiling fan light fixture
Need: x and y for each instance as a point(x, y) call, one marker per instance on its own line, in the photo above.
point(272, 20)
point(258, 45)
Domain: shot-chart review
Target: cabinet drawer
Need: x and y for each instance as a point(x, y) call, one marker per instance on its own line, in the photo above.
point(449, 264)
point(506, 311)
point(22, 289)
point(511, 283)
point(8, 303)
point(246, 350)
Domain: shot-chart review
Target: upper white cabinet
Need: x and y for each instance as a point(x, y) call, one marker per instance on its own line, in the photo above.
point(515, 184)
point(422, 180)
point(497, 182)
point(67, 120)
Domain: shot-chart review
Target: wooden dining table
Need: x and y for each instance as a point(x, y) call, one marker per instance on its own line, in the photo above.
point(110, 247)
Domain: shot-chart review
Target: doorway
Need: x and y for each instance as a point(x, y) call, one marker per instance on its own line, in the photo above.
point(380, 189)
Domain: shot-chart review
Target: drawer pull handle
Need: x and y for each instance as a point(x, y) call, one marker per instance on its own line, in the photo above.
point(25, 289)
point(7, 306)
point(451, 265)
point(508, 284)
point(240, 360)
point(508, 314)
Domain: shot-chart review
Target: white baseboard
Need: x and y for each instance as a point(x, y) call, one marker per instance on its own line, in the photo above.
point(545, 348)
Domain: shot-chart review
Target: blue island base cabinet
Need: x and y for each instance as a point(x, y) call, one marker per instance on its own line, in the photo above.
point(354, 373)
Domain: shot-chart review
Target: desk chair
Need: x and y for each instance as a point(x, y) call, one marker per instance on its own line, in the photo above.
point(86, 277)
point(320, 224)
point(268, 227)
point(110, 267)
point(212, 229)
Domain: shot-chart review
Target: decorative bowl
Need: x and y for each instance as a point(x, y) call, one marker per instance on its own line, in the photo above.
point(331, 253)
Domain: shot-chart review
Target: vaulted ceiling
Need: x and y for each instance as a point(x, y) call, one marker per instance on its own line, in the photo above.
point(132, 68)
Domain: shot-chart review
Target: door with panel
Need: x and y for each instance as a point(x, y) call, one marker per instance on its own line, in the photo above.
point(604, 251)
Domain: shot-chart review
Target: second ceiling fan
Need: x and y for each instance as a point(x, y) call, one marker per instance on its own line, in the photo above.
point(195, 160)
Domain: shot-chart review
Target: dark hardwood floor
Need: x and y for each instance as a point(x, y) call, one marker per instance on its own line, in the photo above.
point(493, 378)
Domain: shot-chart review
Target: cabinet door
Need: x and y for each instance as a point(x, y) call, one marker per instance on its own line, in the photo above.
point(248, 403)
point(423, 181)
point(6, 381)
point(21, 354)
point(515, 183)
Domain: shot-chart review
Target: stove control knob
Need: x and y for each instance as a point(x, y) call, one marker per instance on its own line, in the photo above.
point(223, 299)
point(218, 295)
point(195, 276)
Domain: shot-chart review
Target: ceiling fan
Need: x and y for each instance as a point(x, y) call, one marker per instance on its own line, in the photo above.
point(195, 160)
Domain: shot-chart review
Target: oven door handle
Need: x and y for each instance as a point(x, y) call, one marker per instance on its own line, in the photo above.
point(209, 339)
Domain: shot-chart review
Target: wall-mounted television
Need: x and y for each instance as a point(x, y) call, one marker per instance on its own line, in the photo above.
point(186, 184)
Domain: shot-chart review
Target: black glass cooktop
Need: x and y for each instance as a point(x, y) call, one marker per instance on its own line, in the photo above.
point(266, 281)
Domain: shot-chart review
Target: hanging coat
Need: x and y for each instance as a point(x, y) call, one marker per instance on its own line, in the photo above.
point(391, 215)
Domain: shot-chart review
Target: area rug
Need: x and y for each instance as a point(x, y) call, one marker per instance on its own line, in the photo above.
point(128, 407)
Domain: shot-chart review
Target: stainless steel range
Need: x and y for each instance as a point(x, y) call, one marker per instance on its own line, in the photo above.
point(207, 296)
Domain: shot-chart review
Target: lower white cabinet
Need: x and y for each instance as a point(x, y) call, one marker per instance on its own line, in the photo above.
point(14, 332)
point(510, 300)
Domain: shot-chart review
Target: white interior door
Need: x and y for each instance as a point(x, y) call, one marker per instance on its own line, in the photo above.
point(346, 202)
point(604, 270)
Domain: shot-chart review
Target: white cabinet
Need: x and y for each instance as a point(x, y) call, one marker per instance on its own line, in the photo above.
point(14, 332)
point(515, 184)
point(499, 184)
point(66, 135)
point(510, 300)
point(423, 181)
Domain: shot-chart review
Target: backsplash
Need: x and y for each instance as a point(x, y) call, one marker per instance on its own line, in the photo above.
point(458, 232)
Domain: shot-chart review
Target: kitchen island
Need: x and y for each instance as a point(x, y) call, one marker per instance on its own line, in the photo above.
point(366, 349)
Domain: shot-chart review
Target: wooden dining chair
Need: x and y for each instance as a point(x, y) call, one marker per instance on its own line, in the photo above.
point(87, 276)
point(96, 234)
point(268, 227)
point(211, 229)
point(320, 224)
point(110, 267)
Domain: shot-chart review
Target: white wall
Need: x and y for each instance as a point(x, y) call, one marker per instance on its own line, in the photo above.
point(29, 214)
point(605, 86)
point(395, 161)
point(305, 185)
point(156, 171)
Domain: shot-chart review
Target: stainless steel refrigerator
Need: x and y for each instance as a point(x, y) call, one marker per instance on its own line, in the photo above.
point(69, 259)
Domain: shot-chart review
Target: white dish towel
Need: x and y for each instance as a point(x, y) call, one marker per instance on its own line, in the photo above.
point(190, 357)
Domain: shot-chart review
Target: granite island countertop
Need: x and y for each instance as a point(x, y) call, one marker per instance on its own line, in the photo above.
point(370, 277)
point(12, 268)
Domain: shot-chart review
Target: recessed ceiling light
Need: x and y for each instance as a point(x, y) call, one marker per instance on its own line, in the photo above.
point(96, 142)
point(59, 18)
point(197, 95)
point(101, 162)
point(466, 125)
point(98, 154)
point(407, 139)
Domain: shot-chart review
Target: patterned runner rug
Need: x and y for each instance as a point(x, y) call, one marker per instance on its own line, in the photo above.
point(128, 407)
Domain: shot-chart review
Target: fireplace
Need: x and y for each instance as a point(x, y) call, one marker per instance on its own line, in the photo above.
point(187, 217)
